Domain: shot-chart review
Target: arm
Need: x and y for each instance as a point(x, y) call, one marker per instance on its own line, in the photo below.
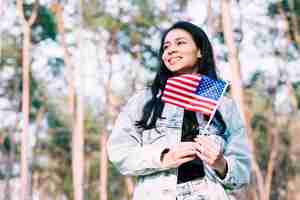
point(125, 149)
point(237, 151)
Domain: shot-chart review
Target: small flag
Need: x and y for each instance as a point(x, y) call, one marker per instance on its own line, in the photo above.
point(195, 93)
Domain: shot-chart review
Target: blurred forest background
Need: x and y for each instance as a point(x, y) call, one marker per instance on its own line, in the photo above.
point(68, 66)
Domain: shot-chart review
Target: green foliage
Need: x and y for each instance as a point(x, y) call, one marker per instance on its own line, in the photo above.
point(93, 178)
point(296, 87)
point(257, 76)
point(116, 185)
point(93, 15)
point(264, 118)
point(68, 183)
point(297, 7)
point(56, 65)
point(7, 144)
point(130, 34)
point(284, 166)
point(61, 141)
point(260, 130)
point(274, 7)
point(9, 50)
point(52, 119)
point(36, 97)
point(45, 25)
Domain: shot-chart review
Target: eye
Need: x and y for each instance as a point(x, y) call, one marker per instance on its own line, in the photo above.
point(165, 47)
point(180, 42)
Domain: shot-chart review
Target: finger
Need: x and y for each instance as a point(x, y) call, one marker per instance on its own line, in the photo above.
point(206, 140)
point(205, 158)
point(183, 154)
point(185, 147)
point(209, 146)
point(202, 157)
point(184, 160)
point(186, 144)
point(204, 154)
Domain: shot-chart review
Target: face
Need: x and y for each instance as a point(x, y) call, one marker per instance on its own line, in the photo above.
point(180, 53)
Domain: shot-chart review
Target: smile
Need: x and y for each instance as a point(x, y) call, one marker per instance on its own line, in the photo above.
point(174, 59)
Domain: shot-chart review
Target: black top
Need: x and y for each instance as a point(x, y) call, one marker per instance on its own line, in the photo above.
point(192, 169)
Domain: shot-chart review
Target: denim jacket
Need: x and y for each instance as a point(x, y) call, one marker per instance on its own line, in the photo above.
point(136, 152)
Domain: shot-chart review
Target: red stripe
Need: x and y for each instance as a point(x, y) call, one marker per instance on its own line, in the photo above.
point(184, 96)
point(190, 97)
point(192, 77)
point(187, 102)
point(185, 79)
point(181, 88)
point(182, 82)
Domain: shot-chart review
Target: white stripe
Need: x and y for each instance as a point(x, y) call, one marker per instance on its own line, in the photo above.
point(181, 85)
point(190, 94)
point(192, 76)
point(186, 80)
point(198, 102)
point(186, 105)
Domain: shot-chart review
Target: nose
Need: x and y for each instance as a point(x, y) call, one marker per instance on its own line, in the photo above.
point(171, 49)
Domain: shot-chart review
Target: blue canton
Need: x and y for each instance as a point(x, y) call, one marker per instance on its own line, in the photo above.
point(210, 88)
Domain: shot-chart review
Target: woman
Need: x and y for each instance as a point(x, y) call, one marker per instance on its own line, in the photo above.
point(158, 143)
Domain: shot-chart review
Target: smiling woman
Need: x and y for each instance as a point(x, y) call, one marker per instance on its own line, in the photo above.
point(160, 143)
point(180, 52)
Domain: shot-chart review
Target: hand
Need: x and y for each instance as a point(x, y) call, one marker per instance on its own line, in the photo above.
point(179, 154)
point(211, 152)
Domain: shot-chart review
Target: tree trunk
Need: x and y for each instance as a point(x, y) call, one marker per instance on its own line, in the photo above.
point(129, 187)
point(163, 5)
point(77, 153)
point(26, 57)
point(78, 135)
point(58, 10)
point(103, 166)
point(76, 111)
point(25, 111)
point(273, 155)
point(237, 91)
point(210, 18)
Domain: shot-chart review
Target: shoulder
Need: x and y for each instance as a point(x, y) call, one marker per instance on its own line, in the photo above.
point(140, 96)
point(227, 103)
point(231, 113)
point(136, 102)
point(229, 108)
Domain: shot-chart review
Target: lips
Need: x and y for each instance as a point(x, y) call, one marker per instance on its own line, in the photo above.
point(173, 60)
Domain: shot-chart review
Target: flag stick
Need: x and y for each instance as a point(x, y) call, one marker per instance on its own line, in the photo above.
point(212, 115)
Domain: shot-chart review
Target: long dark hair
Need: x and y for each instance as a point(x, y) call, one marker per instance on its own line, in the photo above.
point(206, 66)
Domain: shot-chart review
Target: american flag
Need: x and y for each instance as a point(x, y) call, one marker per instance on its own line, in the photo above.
point(195, 93)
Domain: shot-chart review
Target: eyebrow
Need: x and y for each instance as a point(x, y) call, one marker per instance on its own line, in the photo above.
point(179, 38)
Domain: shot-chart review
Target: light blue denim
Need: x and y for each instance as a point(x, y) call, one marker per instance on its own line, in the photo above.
point(135, 152)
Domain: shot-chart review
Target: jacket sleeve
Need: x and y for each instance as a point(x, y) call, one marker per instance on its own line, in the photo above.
point(237, 151)
point(125, 148)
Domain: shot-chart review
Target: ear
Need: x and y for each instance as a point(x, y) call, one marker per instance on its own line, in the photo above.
point(199, 54)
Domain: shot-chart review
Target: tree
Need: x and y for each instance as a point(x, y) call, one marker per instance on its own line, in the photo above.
point(26, 25)
point(77, 112)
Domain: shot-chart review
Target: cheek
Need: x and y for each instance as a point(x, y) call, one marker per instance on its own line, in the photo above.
point(191, 59)
point(164, 58)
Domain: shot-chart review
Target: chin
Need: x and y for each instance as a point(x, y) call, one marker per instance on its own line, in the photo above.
point(175, 69)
